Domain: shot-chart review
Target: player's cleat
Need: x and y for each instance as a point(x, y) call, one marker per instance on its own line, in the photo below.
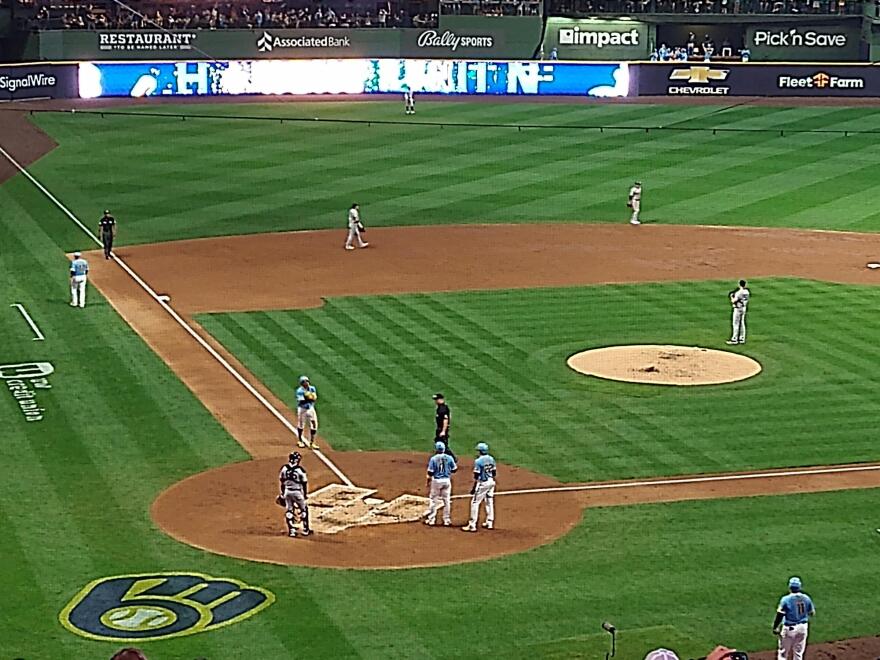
point(488, 525)
point(365, 245)
point(634, 222)
point(428, 522)
point(306, 532)
point(469, 528)
point(742, 341)
point(291, 534)
point(446, 523)
point(73, 304)
point(349, 247)
point(301, 443)
point(731, 342)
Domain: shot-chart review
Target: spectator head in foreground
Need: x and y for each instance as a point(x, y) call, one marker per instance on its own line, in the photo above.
point(129, 654)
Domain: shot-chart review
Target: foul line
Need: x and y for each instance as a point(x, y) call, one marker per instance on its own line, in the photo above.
point(30, 322)
point(183, 324)
point(691, 480)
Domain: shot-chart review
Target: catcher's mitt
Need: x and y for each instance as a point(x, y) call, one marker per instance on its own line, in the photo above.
point(280, 501)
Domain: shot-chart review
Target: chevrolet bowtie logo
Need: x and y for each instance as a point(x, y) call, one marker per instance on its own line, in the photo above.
point(702, 75)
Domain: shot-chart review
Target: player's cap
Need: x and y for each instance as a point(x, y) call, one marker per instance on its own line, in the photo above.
point(295, 457)
point(77, 255)
point(638, 183)
point(662, 654)
point(439, 395)
point(794, 584)
point(303, 379)
point(106, 211)
point(483, 448)
point(439, 446)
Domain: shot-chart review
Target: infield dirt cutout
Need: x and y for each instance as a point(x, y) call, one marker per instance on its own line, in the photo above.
point(656, 364)
point(230, 510)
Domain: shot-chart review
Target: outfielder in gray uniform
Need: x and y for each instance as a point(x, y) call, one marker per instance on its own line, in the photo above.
point(739, 300)
point(294, 492)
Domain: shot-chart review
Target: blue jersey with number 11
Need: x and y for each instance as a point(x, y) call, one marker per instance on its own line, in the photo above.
point(441, 466)
point(797, 608)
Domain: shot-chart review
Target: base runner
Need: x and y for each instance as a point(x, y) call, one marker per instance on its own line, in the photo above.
point(306, 415)
point(483, 489)
point(440, 468)
point(294, 493)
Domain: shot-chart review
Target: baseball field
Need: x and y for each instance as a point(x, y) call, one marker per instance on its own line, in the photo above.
point(143, 434)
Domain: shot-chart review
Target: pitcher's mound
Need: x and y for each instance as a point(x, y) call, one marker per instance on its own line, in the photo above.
point(665, 365)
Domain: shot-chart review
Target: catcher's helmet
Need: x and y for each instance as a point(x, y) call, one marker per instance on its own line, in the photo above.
point(303, 379)
point(295, 457)
point(439, 446)
point(483, 448)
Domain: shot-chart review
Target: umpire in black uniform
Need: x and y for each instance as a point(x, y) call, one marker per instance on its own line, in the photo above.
point(443, 420)
point(107, 229)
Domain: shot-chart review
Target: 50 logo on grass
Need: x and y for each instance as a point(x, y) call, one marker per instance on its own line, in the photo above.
point(23, 381)
point(160, 606)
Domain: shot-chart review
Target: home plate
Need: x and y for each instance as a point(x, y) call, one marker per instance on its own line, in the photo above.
point(873, 265)
point(165, 298)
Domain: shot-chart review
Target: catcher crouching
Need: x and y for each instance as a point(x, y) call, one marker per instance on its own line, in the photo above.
point(294, 492)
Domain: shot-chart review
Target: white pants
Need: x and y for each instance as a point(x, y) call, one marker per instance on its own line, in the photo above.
point(485, 491)
point(792, 642)
point(307, 418)
point(354, 233)
point(441, 495)
point(739, 324)
point(78, 290)
point(636, 205)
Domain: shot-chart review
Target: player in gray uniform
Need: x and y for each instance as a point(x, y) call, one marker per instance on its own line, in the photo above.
point(294, 492)
point(739, 300)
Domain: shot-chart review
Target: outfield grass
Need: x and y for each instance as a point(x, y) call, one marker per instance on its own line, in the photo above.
point(166, 179)
point(500, 359)
point(120, 427)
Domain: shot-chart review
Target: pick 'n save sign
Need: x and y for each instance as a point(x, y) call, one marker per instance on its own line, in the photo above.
point(797, 43)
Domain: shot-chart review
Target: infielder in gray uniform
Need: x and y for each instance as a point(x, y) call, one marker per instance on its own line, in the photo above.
point(294, 492)
point(739, 300)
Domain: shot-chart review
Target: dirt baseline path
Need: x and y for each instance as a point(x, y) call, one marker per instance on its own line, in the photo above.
point(241, 520)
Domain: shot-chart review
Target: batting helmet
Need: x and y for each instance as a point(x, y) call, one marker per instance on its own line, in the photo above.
point(295, 457)
point(439, 446)
point(483, 448)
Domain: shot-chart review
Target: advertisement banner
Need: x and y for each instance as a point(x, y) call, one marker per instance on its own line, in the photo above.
point(478, 37)
point(220, 44)
point(815, 80)
point(56, 81)
point(140, 79)
point(588, 39)
point(838, 42)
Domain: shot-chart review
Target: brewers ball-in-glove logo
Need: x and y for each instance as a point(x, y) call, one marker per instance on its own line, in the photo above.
point(160, 605)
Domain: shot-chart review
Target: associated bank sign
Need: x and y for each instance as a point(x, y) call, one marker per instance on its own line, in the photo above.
point(146, 41)
point(268, 42)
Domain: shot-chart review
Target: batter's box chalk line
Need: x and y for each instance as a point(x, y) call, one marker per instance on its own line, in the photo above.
point(337, 507)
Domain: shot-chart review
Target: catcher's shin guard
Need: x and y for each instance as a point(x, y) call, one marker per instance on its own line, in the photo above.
point(290, 518)
point(304, 514)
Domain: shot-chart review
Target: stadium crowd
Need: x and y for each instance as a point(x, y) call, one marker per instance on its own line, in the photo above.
point(105, 15)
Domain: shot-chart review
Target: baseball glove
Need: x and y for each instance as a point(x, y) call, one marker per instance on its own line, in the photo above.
point(280, 501)
point(629, 205)
point(361, 228)
point(311, 396)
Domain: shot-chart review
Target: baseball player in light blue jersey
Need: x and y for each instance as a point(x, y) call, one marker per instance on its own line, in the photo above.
point(440, 468)
point(79, 272)
point(792, 622)
point(483, 489)
point(306, 415)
